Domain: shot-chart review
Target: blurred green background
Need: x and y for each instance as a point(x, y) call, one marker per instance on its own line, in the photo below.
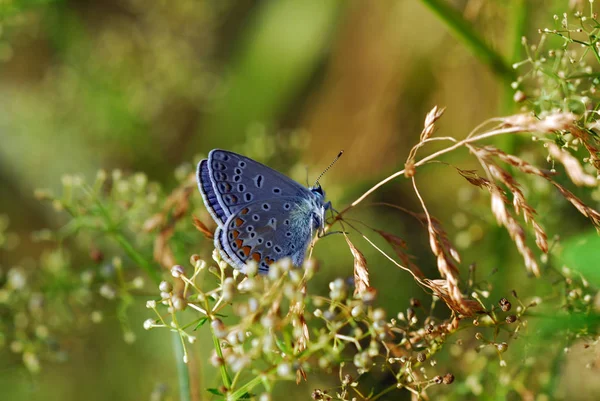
point(152, 85)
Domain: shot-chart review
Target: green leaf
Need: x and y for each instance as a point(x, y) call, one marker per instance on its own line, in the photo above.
point(582, 253)
point(201, 323)
point(283, 346)
point(214, 391)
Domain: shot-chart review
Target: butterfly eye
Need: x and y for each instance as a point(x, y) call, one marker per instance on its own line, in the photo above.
point(318, 191)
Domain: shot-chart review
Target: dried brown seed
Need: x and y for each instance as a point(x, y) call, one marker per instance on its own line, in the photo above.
point(415, 303)
point(448, 378)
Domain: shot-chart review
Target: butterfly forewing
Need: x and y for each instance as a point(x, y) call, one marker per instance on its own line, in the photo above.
point(238, 181)
point(266, 231)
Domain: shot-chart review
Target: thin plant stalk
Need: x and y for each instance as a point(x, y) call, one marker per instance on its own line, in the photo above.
point(433, 156)
point(182, 369)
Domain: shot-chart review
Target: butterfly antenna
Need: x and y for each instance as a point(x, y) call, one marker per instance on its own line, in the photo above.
point(328, 167)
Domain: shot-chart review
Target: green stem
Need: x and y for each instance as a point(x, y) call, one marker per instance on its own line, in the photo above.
point(182, 370)
point(465, 32)
point(136, 256)
point(120, 238)
point(224, 375)
point(246, 388)
point(384, 392)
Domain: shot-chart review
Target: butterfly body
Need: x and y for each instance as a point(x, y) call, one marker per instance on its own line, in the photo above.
point(262, 215)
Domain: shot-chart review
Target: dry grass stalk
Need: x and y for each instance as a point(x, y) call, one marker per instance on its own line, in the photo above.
point(521, 206)
point(162, 252)
point(503, 216)
point(361, 273)
point(449, 271)
point(572, 167)
point(550, 123)
point(565, 122)
point(496, 176)
point(428, 129)
point(200, 226)
point(474, 178)
point(400, 248)
point(590, 140)
point(515, 230)
point(527, 168)
point(429, 126)
point(585, 210)
point(174, 209)
point(462, 305)
point(442, 237)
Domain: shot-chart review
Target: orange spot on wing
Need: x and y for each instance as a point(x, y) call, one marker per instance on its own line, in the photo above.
point(236, 233)
point(245, 210)
point(239, 242)
point(246, 250)
point(239, 222)
point(256, 256)
point(269, 261)
point(234, 199)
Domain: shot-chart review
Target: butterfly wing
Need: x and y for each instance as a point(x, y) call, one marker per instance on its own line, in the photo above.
point(229, 182)
point(266, 231)
point(209, 196)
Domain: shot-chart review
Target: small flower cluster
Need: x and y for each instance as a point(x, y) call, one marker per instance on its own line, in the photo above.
point(557, 80)
point(267, 328)
point(41, 300)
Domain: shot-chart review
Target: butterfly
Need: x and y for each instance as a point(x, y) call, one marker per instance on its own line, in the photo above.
point(262, 215)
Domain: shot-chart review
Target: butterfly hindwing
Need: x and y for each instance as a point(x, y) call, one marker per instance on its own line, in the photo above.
point(238, 181)
point(266, 231)
point(209, 195)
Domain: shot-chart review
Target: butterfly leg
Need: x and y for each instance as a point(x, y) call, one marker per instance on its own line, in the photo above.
point(321, 235)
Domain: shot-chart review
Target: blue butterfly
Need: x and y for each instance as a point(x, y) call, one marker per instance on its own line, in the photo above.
point(262, 215)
